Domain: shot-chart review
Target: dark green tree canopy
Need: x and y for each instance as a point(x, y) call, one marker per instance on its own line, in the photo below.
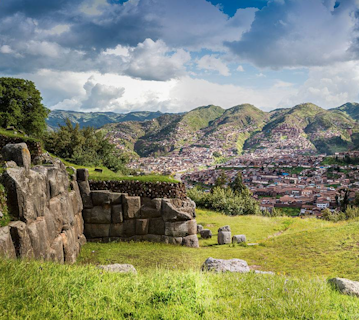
point(21, 106)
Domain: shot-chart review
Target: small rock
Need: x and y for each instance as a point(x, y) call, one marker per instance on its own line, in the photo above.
point(206, 234)
point(221, 265)
point(119, 268)
point(346, 286)
point(224, 237)
point(225, 228)
point(199, 228)
point(239, 238)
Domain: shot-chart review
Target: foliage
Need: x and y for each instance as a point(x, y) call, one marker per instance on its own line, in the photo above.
point(351, 212)
point(225, 200)
point(340, 161)
point(84, 147)
point(21, 106)
point(5, 218)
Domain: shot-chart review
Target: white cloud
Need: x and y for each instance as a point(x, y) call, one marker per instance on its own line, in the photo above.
point(6, 49)
point(240, 68)
point(118, 51)
point(210, 62)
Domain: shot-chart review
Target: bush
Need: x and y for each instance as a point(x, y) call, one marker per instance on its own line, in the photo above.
point(350, 213)
point(225, 200)
point(84, 147)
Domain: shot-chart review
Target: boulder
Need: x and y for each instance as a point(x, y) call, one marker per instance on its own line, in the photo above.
point(39, 239)
point(346, 286)
point(21, 240)
point(206, 234)
point(19, 153)
point(141, 226)
point(100, 197)
point(156, 226)
point(199, 228)
point(58, 181)
point(132, 207)
point(119, 268)
point(97, 230)
point(150, 208)
point(221, 265)
point(7, 249)
point(82, 174)
point(181, 229)
point(117, 213)
point(239, 238)
point(224, 235)
point(177, 210)
point(190, 241)
point(98, 215)
point(85, 192)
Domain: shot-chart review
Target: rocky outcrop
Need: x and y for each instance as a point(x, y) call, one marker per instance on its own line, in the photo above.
point(47, 207)
point(114, 216)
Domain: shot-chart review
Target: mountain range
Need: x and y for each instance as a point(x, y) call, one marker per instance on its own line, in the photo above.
point(243, 127)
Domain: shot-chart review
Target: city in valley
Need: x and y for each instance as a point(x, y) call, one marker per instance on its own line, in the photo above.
point(299, 180)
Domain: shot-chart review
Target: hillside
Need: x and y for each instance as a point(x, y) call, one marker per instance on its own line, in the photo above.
point(350, 108)
point(241, 128)
point(96, 119)
point(304, 253)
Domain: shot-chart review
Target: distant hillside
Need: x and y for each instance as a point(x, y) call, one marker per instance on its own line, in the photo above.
point(240, 128)
point(350, 108)
point(96, 119)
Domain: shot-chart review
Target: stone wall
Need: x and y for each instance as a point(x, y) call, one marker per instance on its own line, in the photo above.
point(151, 190)
point(116, 216)
point(34, 147)
point(46, 205)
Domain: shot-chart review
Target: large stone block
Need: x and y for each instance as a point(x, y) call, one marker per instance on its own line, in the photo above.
point(153, 238)
point(221, 265)
point(190, 241)
point(206, 234)
point(57, 214)
point(57, 250)
point(67, 212)
point(156, 226)
point(100, 197)
point(7, 249)
point(117, 213)
point(142, 226)
point(126, 229)
point(177, 210)
point(71, 246)
point(116, 198)
point(21, 240)
point(39, 239)
point(224, 237)
point(19, 153)
point(79, 225)
point(172, 240)
point(150, 208)
point(132, 207)
point(82, 174)
point(181, 229)
point(85, 194)
point(75, 198)
point(98, 215)
point(58, 181)
point(97, 230)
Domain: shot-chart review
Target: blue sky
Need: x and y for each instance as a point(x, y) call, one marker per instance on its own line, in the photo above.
point(175, 55)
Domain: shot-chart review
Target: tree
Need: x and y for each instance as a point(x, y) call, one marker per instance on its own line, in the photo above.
point(21, 106)
point(222, 180)
point(237, 185)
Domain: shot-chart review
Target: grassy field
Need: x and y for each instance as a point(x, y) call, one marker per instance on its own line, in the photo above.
point(303, 253)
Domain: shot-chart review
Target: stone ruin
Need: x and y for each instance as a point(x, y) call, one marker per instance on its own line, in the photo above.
point(48, 203)
point(112, 216)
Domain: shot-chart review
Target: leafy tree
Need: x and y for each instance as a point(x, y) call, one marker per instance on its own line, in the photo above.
point(21, 106)
point(237, 185)
point(222, 180)
point(84, 147)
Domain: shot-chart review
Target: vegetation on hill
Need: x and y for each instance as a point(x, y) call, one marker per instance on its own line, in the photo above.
point(21, 106)
point(84, 147)
point(96, 119)
point(350, 108)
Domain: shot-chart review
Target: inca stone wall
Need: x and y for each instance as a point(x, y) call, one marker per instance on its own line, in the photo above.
point(34, 147)
point(152, 190)
point(116, 216)
point(46, 205)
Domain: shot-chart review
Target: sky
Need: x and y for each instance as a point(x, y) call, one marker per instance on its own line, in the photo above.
point(176, 55)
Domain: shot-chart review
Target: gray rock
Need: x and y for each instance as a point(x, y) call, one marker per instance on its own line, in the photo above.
point(346, 286)
point(224, 237)
point(150, 208)
point(190, 241)
point(10, 164)
point(85, 192)
point(57, 250)
point(21, 240)
point(181, 228)
point(206, 234)
point(153, 238)
point(239, 238)
point(7, 249)
point(172, 240)
point(98, 214)
point(19, 153)
point(132, 207)
point(82, 174)
point(116, 198)
point(119, 268)
point(177, 210)
point(117, 213)
point(39, 239)
point(156, 226)
point(221, 265)
point(97, 230)
point(199, 228)
point(225, 228)
point(142, 226)
point(100, 197)
point(71, 246)
point(126, 229)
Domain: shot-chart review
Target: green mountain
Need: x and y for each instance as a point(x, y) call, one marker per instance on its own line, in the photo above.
point(350, 108)
point(96, 119)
